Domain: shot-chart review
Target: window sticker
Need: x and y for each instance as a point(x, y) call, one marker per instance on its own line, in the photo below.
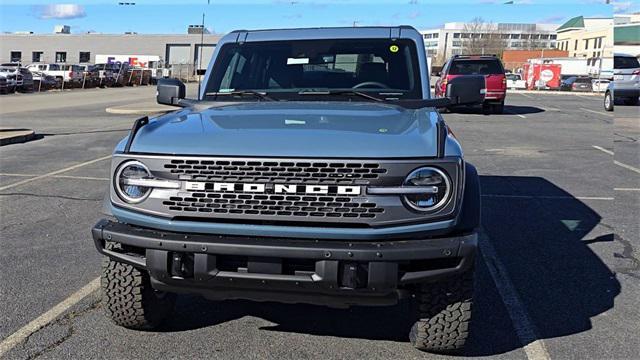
point(297, 61)
point(394, 48)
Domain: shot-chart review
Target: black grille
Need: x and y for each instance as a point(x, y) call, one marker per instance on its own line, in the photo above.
point(316, 206)
point(290, 172)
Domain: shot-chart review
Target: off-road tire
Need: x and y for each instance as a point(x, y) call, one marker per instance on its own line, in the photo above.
point(498, 108)
point(444, 314)
point(608, 101)
point(128, 298)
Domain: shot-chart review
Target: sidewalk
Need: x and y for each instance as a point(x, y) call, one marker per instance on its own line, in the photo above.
point(14, 136)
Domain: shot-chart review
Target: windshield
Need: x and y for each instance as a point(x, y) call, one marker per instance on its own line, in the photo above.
point(286, 68)
point(625, 62)
point(476, 67)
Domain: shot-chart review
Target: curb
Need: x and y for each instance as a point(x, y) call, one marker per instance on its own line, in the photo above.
point(22, 135)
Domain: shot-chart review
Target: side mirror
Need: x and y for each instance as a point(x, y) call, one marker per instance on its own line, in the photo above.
point(170, 92)
point(466, 90)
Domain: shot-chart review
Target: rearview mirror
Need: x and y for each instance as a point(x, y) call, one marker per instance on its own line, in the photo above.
point(170, 92)
point(466, 90)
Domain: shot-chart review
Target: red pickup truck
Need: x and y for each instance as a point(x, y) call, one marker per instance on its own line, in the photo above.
point(489, 66)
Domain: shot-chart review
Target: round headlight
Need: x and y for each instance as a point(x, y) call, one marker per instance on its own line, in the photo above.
point(131, 170)
point(436, 184)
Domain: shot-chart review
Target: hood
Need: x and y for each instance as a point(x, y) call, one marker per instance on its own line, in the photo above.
point(293, 129)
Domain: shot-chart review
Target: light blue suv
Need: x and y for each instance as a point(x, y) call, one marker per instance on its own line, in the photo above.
point(313, 168)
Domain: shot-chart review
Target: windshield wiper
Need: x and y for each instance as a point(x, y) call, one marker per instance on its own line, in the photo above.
point(340, 92)
point(259, 94)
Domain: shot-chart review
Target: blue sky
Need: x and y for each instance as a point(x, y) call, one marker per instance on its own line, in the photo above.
point(153, 16)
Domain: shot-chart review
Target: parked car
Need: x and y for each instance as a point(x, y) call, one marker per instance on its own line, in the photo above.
point(62, 72)
point(626, 81)
point(27, 79)
point(73, 74)
point(90, 75)
point(600, 85)
point(3, 84)
point(14, 78)
point(515, 81)
point(370, 201)
point(42, 81)
point(576, 83)
point(113, 74)
point(489, 66)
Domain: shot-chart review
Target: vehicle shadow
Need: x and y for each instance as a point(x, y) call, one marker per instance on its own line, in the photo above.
point(508, 110)
point(540, 235)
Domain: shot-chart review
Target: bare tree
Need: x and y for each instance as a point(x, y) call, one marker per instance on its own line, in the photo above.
point(480, 37)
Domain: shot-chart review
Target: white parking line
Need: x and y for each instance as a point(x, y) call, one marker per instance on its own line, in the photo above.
point(519, 115)
point(26, 181)
point(597, 112)
point(628, 167)
point(525, 95)
point(603, 150)
point(534, 347)
point(38, 323)
point(58, 176)
point(626, 189)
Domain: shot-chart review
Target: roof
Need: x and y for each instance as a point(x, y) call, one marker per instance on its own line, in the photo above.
point(322, 33)
point(627, 35)
point(576, 22)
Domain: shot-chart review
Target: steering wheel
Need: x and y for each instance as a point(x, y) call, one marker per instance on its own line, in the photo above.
point(371, 83)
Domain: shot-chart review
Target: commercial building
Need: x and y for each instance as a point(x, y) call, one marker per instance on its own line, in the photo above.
point(454, 38)
point(172, 50)
point(590, 38)
point(626, 34)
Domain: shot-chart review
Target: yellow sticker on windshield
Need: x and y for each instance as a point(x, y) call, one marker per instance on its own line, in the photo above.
point(394, 48)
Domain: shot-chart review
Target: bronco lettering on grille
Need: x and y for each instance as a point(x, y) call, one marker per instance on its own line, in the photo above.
point(273, 189)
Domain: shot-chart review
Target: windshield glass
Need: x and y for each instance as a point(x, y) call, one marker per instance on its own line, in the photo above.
point(625, 62)
point(476, 67)
point(286, 68)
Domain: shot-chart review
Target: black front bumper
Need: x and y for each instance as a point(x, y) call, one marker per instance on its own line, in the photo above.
point(327, 272)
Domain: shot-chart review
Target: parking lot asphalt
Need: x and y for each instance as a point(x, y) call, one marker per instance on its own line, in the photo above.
point(558, 275)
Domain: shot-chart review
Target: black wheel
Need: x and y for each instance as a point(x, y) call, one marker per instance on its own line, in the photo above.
point(128, 298)
point(631, 101)
point(498, 108)
point(608, 101)
point(486, 108)
point(444, 314)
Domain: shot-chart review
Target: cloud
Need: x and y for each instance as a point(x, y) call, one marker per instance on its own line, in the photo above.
point(621, 6)
point(61, 11)
point(414, 14)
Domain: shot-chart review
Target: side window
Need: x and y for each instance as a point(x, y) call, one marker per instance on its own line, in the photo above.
point(225, 84)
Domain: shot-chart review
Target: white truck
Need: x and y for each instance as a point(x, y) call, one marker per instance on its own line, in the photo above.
point(64, 73)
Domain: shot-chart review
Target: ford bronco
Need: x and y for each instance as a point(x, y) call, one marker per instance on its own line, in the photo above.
point(313, 167)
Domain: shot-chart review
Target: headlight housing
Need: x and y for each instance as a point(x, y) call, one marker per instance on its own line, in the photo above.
point(130, 193)
point(429, 177)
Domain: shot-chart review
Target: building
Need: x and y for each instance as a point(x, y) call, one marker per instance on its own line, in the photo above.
point(454, 38)
point(514, 59)
point(626, 34)
point(173, 50)
point(590, 38)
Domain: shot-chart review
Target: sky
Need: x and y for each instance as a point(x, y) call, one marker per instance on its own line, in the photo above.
point(165, 17)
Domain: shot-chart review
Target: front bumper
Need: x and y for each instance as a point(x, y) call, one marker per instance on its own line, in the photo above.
point(624, 93)
point(324, 272)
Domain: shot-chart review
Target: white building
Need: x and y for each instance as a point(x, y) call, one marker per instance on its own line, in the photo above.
point(448, 40)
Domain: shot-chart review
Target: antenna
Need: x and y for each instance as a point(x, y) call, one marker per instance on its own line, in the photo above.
point(199, 64)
